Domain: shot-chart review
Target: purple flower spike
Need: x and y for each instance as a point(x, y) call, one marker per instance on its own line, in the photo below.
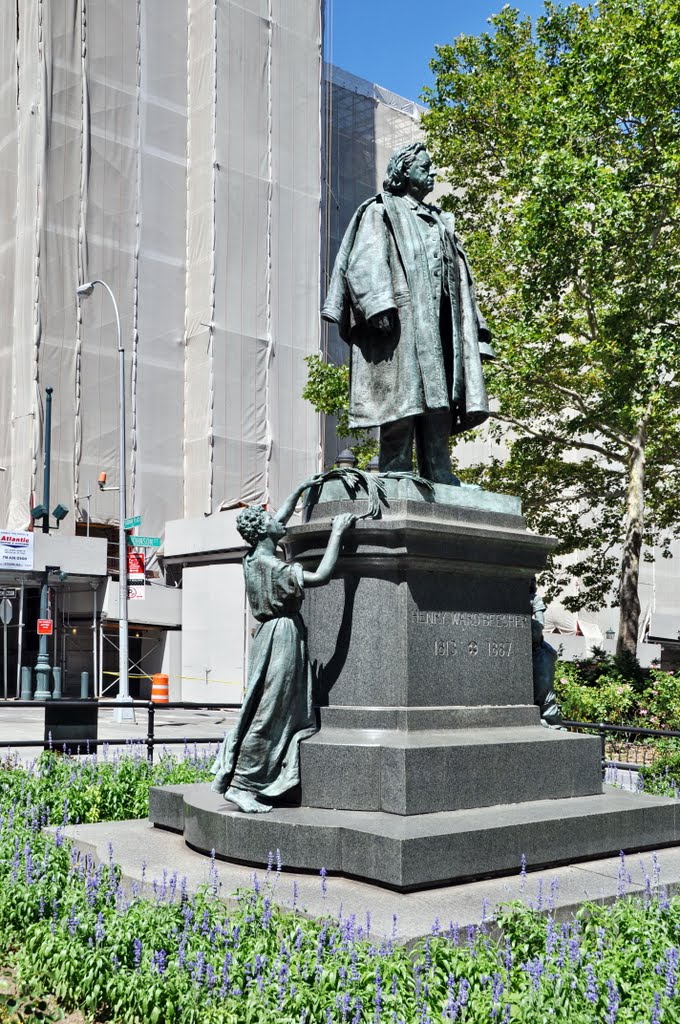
point(613, 1000)
point(671, 972)
point(523, 872)
point(534, 969)
point(591, 992)
point(159, 961)
point(539, 895)
point(622, 882)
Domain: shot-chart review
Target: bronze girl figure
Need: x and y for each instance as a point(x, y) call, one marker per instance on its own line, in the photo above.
point(260, 758)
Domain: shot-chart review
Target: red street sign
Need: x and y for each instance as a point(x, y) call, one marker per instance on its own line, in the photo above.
point(136, 563)
point(45, 627)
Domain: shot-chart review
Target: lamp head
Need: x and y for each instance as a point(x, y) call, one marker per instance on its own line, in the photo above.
point(85, 289)
point(60, 512)
point(101, 481)
point(38, 512)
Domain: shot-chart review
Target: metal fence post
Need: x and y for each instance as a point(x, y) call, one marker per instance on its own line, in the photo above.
point(151, 720)
point(603, 747)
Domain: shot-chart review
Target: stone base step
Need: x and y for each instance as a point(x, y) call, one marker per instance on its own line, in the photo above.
point(445, 769)
point(420, 851)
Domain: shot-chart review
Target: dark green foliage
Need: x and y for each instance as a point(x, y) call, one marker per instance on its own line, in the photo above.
point(27, 1011)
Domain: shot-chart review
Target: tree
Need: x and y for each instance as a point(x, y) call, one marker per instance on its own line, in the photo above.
point(561, 143)
point(327, 388)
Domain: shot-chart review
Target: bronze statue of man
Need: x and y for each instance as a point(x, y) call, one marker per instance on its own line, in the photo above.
point(403, 298)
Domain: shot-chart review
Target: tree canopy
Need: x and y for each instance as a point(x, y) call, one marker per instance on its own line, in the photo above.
point(560, 140)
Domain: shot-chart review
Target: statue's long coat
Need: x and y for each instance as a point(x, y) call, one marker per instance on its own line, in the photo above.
point(431, 361)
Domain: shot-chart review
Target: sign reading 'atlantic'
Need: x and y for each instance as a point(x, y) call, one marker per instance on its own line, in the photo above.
point(16, 550)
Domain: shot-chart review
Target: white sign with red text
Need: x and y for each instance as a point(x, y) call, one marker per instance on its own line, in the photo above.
point(136, 575)
point(16, 550)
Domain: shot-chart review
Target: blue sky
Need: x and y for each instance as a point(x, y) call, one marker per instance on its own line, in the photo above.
point(392, 41)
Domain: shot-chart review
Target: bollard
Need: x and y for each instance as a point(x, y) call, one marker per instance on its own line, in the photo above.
point(26, 683)
point(84, 685)
point(56, 693)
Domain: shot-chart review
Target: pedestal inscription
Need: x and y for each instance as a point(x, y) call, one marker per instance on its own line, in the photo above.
point(472, 657)
point(476, 635)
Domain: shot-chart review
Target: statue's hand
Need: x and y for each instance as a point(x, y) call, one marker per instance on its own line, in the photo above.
point(312, 481)
point(343, 522)
point(383, 322)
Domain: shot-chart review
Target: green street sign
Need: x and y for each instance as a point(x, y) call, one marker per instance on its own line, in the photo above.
point(144, 542)
point(132, 522)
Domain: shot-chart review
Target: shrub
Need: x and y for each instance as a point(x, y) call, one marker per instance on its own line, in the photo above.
point(608, 697)
point(606, 700)
point(663, 775)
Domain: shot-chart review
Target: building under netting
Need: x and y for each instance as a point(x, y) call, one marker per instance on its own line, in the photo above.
point(174, 150)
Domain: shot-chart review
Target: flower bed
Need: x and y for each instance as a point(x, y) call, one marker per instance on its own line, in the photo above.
point(69, 927)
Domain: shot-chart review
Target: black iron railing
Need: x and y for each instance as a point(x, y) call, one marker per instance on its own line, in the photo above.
point(84, 745)
point(628, 734)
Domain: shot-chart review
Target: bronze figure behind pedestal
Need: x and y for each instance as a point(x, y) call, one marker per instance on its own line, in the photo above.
point(403, 298)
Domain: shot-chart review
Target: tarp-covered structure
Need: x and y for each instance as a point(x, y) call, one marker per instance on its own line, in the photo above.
point(171, 148)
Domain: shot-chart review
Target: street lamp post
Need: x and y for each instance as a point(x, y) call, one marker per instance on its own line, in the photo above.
point(125, 713)
point(43, 670)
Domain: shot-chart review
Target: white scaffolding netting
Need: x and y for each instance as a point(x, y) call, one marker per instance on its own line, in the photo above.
point(171, 148)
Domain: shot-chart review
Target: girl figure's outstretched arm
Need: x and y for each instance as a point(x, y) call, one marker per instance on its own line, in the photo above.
point(288, 507)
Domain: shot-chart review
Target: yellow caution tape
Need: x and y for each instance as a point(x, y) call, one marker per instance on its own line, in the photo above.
point(191, 679)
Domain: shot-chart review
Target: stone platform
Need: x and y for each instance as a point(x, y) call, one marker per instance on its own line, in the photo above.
point(430, 765)
point(407, 853)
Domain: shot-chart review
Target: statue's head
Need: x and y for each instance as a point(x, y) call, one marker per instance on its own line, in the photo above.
point(409, 171)
point(255, 523)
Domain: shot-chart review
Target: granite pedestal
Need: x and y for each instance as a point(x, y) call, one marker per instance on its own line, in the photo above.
point(430, 764)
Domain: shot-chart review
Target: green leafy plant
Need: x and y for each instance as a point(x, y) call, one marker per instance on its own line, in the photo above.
point(663, 775)
point(96, 789)
point(597, 692)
